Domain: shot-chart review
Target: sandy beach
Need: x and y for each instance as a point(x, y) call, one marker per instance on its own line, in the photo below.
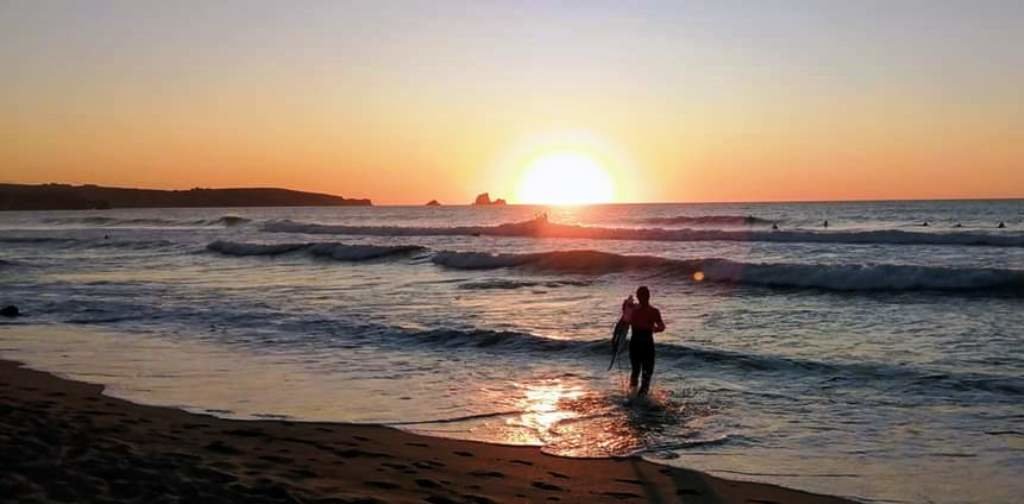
point(65, 441)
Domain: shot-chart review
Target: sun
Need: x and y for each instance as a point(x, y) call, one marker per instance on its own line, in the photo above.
point(565, 178)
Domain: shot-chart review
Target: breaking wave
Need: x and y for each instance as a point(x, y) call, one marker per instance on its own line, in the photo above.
point(838, 277)
point(868, 373)
point(35, 239)
point(75, 243)
point(105, 221)
point(331, 250)
point(541, 228)
point(831, 277)
point(229, 220)
point(510, 284)
point(708, 220)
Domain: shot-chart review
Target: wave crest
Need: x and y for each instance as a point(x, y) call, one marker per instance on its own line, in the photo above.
point(836, 277)
point(709, 220)
point(831, 277)
point(867, 373)
point(106, 221)
point(541, 228)
point(331, 250)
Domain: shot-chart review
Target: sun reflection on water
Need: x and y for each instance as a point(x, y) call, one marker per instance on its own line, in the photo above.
point(541, 403)
point(576, 420)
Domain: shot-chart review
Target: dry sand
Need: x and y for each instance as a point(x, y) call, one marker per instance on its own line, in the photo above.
point(64, 441)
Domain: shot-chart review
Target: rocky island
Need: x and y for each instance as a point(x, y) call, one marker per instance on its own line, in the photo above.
point(484, 199)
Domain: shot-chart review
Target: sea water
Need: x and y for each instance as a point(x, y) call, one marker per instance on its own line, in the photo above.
point(878, 358)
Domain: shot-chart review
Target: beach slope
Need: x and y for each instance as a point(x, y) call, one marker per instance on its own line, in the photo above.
point(62, 440)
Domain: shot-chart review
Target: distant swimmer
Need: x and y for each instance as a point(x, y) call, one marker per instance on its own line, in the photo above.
point(825, 224)
point(1002, 225)
point(775, 227)
point(924, 224)
point(644, 320)
point(958, 225)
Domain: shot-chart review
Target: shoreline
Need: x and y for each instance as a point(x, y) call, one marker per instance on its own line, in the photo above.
point(64, 440)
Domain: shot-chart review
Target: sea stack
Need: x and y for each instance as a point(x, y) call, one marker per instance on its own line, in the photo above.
point(433, 202)
point(484, 199)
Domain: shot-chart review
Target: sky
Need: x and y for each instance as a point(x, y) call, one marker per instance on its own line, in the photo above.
point(404, 102)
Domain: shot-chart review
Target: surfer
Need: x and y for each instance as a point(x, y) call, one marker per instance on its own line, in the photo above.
point(644, 320)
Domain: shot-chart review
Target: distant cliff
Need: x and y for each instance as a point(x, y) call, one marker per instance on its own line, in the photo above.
point(68, 197)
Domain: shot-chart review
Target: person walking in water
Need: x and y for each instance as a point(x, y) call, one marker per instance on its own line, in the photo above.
point(644, 320)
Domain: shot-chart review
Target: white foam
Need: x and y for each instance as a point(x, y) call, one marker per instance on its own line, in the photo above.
point(543, 229)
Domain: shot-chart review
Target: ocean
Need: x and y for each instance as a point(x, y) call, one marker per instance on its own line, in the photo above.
point(877, 358)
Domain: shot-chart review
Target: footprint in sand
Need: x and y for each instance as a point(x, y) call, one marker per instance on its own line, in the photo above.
point(220, 447)
point(302, 473)
point(546, 486)
point(621, 495)
point(438, 499)
point(427, 483)
point(276, 459)
point(244, 433)
point(487, 474)
point(386, 485)
point(427, 464)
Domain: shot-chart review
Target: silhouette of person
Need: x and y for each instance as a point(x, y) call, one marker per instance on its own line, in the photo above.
point(775, 227)
point(645, 320)
point(1001, 225)
point(825, 224)
point(924, 224)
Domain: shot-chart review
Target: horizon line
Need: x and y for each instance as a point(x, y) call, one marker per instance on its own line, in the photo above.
point(660, 202)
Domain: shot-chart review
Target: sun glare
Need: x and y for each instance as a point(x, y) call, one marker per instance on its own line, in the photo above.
point(565, 178)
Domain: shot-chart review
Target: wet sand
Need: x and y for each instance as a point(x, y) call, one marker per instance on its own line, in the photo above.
point(64, 441)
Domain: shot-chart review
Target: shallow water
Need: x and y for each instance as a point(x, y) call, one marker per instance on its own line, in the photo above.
point(877, 358)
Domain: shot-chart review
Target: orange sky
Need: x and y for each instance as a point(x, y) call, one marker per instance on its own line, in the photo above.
point(408, 102)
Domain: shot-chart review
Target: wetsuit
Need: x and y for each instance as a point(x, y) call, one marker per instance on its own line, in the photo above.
point(644, 320)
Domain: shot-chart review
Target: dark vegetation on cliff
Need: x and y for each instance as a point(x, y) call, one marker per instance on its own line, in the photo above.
point(84, 197)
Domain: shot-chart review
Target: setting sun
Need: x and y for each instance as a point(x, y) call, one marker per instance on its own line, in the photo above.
point(565, 178)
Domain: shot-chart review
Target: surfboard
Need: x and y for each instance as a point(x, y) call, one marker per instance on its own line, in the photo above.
point(619, 334)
